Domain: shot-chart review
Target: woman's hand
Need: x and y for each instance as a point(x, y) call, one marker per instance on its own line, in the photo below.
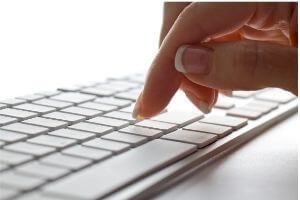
point(204, 51)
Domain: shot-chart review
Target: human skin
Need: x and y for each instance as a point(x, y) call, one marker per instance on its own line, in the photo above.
point(253, 46)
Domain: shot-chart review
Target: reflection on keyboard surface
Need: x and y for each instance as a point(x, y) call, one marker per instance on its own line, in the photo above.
point(81, 142)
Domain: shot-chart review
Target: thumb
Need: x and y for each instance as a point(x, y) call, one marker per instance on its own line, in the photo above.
point(240, 65)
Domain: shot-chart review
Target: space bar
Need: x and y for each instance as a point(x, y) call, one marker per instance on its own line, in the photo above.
point(105, 177)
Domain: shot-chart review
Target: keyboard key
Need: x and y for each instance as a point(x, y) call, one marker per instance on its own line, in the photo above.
point(250, 114)
point(82, 111)
point(110, 87)
point(121, 115)
point(124, 168)
point(24, 147)
point(2, 168)
point(116, 123)
point(36, 169)
point(166, 127)
point(31, 97)
point(221, 104)
point(123, 83)
point(53, 103)
point(9, 136)
point(25, 128)
point(39, 196)
point(2, 143)
point(65, 161)
point(133, 140)
point(71, 118)
point(20, 114)
point(74, 88)
point(276, 95)
point(73, 97)
point(243, 94)
point(7, 120)
point(57, 142)
point(113, 146)
point(142, 131)
point(113, 101)
point(98, 106)
point(97, 91)
point(93, 128)
point(48, 123)
point(48, 93)
point(179, 118)
point(35, 108)
point(13, 158)
point(127, 95)
point(86, 152)
point(272, 105)
point(263, 110)
point(220, 131)
point(234, 122)
point(7, 193)
point(19, 181)
point(198, 138)
point(12, 102)
point(73, 134)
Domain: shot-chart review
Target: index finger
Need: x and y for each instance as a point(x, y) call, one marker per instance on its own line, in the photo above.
point(197, 23)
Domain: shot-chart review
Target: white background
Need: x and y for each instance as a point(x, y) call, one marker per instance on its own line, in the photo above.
point(47, 44)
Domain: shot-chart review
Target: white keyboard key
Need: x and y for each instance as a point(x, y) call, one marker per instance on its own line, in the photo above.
point(24, 147)
point(71, 118)
point(234, 122)
point(31, 97)
point(93, 128)
point(57, 142)
point(113, 146)
point(7, 120)
point(8, 193)
point(19, 181)
point(146, 132)
point(20, 114)
point(124, 168)
point(133, 140)
point(73, 134)
point(12, 102)
point(179, 118)
point(13, 158)
point(35, 108)
point(220, 131)
point(166, 127)
point(113, 101)
point(198, 138)
point(243, 94)
point(128, 109)
point(25, 128)
point(121, 115)
point(65, 161)
point(261, 109)
point(74, 88)
point(48, 123)
point(48, 93)
point(82, 111)
point(39, 196)
point(36, 169)
point(98, 91)
point(73, 97)
point(53, 103)
point(98, 106)
point(9, 136)
point(224, 104)
point(87, 152)
point(250, 114)
point(2, 143)
point(114, 88)
point(272, 105)
point(116, 123)
point(127, 95)
point(123, 83)
point(276, 95)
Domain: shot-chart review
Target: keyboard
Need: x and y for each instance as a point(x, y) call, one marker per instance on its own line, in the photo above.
point(81, 142)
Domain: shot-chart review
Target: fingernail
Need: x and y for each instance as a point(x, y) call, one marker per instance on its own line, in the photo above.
point(191, 59)
point(137, 109)
point(204, 107)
